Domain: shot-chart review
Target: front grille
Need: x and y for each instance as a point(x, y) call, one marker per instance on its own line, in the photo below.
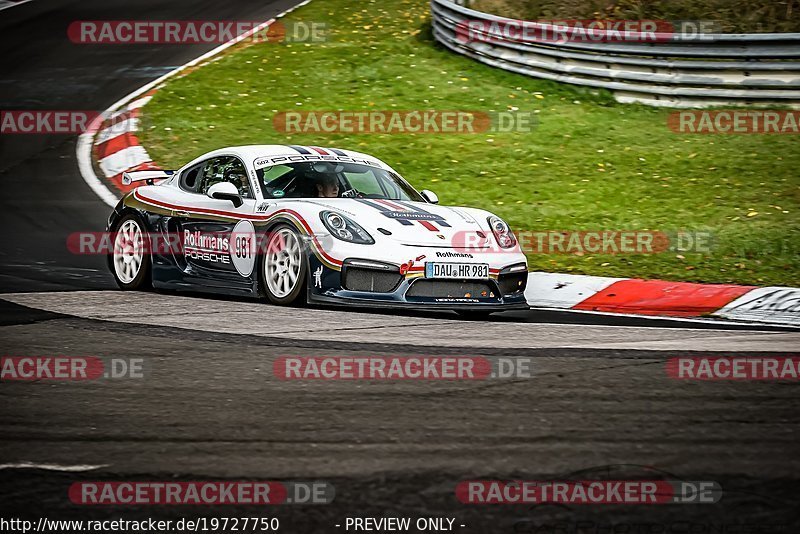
point(357, 279)
point(450, 289)
point(512, 283)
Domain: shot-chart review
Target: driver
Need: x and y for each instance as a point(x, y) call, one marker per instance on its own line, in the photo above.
point(327, 186)
point(240, 181)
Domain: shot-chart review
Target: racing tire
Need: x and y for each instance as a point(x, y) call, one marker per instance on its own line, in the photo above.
point(474, 315)
point(129, 260)
point(283, 267)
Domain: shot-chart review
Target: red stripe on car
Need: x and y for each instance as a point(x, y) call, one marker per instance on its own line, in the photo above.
point(234, 215)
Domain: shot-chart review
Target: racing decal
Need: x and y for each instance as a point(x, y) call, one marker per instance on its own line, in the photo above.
point(264, 206)
point(269, 161)
point(410, 270)
point(256, 185)
point(206, 247)
point(449, 254)
point(299, 222)
point(438, 218)
point(318, 277)
point(318, 150)
point(385, 210)
point(396, 209)
point(243, 252)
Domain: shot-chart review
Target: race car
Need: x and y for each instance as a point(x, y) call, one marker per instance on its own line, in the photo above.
point(296, 224)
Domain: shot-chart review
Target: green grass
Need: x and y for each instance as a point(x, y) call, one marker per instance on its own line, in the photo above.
point(591, 164)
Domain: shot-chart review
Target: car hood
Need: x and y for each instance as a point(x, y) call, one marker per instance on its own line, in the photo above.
point(413, 223)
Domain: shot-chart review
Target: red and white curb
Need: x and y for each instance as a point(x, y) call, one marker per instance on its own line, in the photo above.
point(111, 137)
point(773, 305)
point(116, 148)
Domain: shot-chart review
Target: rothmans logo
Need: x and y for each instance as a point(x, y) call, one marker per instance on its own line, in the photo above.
point(453, 255)
point(412, 215)
point(440, 236)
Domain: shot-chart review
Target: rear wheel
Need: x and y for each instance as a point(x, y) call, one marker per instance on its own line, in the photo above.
point(283, 267)
point(130, 259)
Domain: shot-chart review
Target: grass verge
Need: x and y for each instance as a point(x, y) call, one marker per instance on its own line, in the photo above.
point(590, 164)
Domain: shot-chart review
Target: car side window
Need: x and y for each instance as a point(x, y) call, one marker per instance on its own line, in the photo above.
point(225, 169)
point(190, 178)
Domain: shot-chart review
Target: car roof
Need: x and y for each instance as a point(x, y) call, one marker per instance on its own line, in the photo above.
point(249, 153)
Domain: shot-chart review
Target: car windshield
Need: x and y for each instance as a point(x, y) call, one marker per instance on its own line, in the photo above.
point(331, 179)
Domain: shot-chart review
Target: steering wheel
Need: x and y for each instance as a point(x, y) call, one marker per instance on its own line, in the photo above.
point(352, 193)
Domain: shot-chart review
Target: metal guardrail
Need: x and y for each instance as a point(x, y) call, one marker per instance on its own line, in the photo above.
point(720, 69)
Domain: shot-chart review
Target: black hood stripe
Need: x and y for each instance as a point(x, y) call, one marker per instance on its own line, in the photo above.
point(383, 209)
point(439, 219)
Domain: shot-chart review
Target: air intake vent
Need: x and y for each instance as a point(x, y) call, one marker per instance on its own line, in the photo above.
point(513, 283)
point(450, 289)
point(357, 279)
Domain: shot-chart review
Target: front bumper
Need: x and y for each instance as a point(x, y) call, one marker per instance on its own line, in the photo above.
point(355, 286)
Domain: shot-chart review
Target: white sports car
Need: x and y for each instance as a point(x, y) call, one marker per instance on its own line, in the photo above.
point(294, 223)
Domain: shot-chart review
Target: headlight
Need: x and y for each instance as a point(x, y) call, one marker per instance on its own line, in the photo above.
point(343, 228)
point(502, 233)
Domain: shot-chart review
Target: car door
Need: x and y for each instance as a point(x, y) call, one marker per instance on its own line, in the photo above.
point(212, 230)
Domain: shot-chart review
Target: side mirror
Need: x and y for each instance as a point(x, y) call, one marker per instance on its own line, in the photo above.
point(225, 191)
point(430, 196)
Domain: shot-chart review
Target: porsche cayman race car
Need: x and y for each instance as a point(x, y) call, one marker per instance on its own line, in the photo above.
point(327, 226)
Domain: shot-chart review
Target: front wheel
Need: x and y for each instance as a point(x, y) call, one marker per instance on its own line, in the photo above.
point(283, 268)
point(130, 259)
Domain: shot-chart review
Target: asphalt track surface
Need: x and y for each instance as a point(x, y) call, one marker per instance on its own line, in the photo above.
point(599, 403)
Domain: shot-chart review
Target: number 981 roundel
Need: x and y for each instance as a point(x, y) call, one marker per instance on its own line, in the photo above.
point(294, 224)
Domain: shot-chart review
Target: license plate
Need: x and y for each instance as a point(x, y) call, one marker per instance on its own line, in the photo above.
point(456, 270)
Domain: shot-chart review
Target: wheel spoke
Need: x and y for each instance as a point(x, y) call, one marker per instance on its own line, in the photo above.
point(128, 252)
